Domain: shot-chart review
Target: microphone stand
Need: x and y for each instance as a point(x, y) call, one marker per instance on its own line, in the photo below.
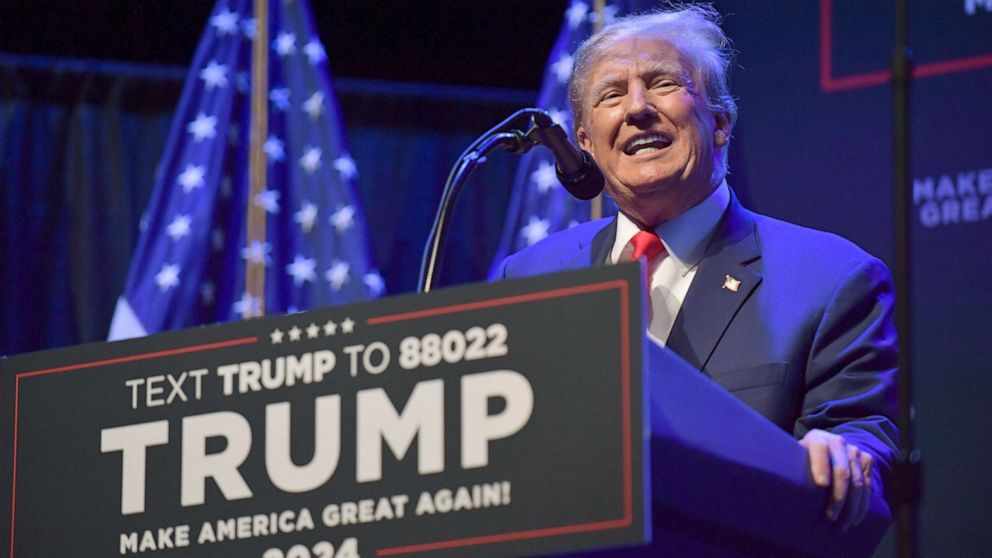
point(506, 135)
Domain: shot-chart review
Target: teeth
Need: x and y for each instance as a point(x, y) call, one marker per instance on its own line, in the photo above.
point(644, 140)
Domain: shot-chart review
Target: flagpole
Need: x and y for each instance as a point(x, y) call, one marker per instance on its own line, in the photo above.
point(255, 267)
point(596, 205)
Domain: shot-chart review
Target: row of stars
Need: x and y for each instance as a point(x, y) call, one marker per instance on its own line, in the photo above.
point(228, 23)
point(342, 220)
point(303, 270)
point(313, 331)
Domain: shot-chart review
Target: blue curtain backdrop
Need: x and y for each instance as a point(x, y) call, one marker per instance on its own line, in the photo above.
point(80, 141)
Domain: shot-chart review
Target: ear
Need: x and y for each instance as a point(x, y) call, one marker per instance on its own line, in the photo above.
point(721, 129)
point(583, 138)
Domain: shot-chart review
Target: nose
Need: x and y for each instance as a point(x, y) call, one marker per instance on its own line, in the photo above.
point(639, 107)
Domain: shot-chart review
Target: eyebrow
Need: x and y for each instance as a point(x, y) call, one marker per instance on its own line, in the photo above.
point(655, 69)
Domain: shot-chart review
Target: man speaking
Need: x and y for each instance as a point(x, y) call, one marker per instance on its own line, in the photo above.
point(796, 323)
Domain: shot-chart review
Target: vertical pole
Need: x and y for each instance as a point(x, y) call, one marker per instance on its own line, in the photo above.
point(908, 476)
point(255, 270)
point(596, 204)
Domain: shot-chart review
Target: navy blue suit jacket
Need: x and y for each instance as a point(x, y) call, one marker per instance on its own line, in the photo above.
point(808, 339)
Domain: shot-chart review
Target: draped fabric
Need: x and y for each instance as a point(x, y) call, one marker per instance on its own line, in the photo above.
point(77, 152)
point(79, 144)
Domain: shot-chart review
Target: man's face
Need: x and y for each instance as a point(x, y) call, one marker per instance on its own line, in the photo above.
point(650, 130)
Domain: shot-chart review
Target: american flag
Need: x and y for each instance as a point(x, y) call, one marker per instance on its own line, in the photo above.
point(539, 205)
point(189, 265)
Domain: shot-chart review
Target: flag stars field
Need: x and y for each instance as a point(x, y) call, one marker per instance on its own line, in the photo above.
point(338, 274)
point(196, 238)
point(345, 166)
point(314, 51)
point(225, 22)
point(203, 127)
point(167, 277)
point(343, 218)
point(544, 177)
point(214, 75)
point(302, 269)
point(285, 43)
point(280, 98)
point(306, 217)
point(179, 227)
point(257, 252)
point(275, 149)
point(268, 200)
point(310, 161)
point(314, 105)
point(191, 178)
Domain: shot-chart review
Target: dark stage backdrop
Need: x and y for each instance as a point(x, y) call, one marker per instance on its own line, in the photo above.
point(78, 150)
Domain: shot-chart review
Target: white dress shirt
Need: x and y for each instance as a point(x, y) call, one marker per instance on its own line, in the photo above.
point(685, 239)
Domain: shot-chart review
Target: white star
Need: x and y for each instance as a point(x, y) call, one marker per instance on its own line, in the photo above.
point(374, 282)
point(280, 98)
point(250, 28)
point(575, 13)
point(310, 161)
point(306, 216)
point(313, 331)
point(268, 200)
point(535, 230)
point(314, 51)
point(347, 326)
point(285, 43)
point(343, 218)
point(275, 149)
point(192, 177)
point(276, 336)
point(562, 68)
point(337, 275)
point(345, 166)
point(179, 227)
point(207, 293)
point(217, 240)
point(248, 306)
point(233, 134)
point(544, 177)
point(257, 252)
point(204, 127)
point(559, 117)
point(330, 328)
point(226, 22)
point(225, 187)
point(314, 106)
point(609, 14)
point(168, 277)
point(214, 75)
point(294, 334)
point(302, 269)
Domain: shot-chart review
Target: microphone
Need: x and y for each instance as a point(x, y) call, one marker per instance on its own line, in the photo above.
point(575, 168)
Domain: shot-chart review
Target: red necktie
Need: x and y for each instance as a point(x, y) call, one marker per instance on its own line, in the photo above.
point(647, 245)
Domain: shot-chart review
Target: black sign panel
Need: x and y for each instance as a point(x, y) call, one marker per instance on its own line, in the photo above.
point(489, 420)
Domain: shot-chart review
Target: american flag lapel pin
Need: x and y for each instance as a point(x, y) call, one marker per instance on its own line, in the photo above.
point(732, 284)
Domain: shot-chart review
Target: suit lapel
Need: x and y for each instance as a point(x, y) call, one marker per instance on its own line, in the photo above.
point(711, 302)
point(591, 251)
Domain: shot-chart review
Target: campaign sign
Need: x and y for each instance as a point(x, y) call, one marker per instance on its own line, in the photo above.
point(489, 420)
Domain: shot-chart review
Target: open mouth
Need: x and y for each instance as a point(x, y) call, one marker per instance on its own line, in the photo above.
point(646, 143)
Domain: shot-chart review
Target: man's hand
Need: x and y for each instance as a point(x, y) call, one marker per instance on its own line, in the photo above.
point(845, 470)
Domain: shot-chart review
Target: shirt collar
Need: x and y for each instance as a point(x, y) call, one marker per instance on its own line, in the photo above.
point(686, 236)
